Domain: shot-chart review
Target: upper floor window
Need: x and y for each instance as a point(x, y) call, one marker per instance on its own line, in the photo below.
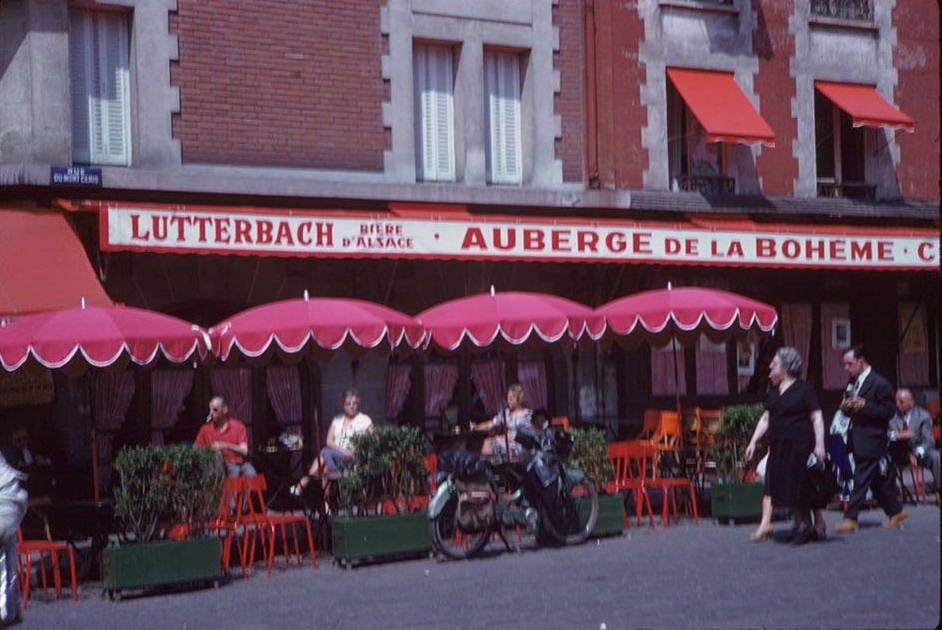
point(100, 85)
point(434, 113)
point(694, 162)
point(502, 90)
point(843, 9)
point(840, 152)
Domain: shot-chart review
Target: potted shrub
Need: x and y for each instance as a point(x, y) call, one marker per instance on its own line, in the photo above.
point(731, 496)
point(375, 494)
point(164, 492)
point(590, 453)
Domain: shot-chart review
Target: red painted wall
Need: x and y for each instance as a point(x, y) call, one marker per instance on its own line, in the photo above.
point(280, 83)
point(916, 58)
point(774, 46)
point(570, 101)
point(620, 31)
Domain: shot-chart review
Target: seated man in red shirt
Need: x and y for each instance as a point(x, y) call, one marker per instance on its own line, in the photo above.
point(228, 436)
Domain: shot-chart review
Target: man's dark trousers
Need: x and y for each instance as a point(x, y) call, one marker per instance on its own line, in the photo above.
point(867, 475)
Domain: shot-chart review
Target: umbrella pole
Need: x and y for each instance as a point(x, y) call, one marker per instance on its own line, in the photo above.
point(91, 412)
point(676, 379)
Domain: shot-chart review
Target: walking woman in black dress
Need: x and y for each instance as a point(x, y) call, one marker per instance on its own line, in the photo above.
point(795, 427)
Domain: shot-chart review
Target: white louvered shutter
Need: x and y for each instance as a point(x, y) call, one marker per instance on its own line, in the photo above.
point(98, 48)
point(502, 85)
point(434, 112)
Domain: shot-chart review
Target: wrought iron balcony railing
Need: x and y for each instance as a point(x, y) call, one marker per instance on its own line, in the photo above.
point(846, 190)
point(709, 185)
point(843, 9)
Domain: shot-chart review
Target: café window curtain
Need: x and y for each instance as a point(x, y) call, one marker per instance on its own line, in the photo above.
point(283, 384)
point(662, 370)
point(235, 385)
point(440, 381)
point(112, 396)
point(398, 383)
point(169, 388)
point(796, 331)
point(532, 375)
point(488, 379)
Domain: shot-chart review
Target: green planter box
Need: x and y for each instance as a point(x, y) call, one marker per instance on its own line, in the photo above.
point(373, 538)
point(611, 521)
point(162, 562)
point(736, 501)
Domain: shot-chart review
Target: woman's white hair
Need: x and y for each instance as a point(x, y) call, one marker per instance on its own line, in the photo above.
point(791, 361)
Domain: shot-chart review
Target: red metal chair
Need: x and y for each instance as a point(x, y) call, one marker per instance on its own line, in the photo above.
point(629, 466)
point(25, 551)
point(225, 523)
point(265, 523)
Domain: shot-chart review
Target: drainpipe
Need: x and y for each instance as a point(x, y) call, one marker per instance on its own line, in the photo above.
point(591, 94)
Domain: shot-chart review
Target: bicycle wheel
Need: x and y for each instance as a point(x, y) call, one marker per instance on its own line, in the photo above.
point(449, 539)
point(576, 510)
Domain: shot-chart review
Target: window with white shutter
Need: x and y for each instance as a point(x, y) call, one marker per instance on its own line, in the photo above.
point(502, 89)
point(98, 64)
point(434, 113)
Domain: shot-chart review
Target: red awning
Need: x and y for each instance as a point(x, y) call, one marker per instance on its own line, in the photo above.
point(720, 105)
point(43, 266)
point(866, 106)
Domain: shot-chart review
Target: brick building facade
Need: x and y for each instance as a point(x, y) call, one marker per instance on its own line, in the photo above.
point(542, 108)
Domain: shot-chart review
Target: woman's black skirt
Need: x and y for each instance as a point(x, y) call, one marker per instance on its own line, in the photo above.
point(785, 472)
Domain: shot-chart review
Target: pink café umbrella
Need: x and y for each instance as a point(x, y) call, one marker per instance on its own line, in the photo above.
point(327, 322)
point(100, 336)
point(513, 316)
point(686, 310)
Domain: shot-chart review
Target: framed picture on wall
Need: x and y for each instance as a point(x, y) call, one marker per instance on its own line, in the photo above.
point(745, 357)
point(840, 334)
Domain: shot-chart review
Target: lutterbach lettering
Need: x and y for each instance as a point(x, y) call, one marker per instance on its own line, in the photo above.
point(226, 230)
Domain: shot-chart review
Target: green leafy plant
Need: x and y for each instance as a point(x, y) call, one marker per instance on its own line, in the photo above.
point(590, 453)
point(175, 483)
point(739, 421)
point(389, 464)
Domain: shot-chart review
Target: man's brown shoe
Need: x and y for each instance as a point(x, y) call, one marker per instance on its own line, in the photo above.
point(847, 525)
point(896, 519)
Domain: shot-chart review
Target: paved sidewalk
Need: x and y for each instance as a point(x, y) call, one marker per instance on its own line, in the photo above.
point(706, 576)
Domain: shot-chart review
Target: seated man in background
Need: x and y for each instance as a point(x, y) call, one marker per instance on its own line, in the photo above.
point(911, 430)
point(228, 436)
point(40, 481)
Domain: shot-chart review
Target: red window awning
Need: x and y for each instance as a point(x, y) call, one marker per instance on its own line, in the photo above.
point(43, 265)
point(865, 106)
point(720, 105)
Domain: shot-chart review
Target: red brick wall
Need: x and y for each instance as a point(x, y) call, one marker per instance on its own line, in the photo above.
point(916, 58)
point(280, 83)
point(620, 31)
point(570, 102)
point(774, 46)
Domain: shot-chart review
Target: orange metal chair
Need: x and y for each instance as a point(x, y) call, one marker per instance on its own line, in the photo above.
point(629, 466)
point(225, 524)
point(934, 407)
point(25, 552)
point(265, 523)
point(560, 421)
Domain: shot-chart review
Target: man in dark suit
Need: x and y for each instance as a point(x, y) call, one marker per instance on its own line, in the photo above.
point(869, 403)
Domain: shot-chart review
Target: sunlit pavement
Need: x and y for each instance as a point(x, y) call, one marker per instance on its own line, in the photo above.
point(686, 576)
